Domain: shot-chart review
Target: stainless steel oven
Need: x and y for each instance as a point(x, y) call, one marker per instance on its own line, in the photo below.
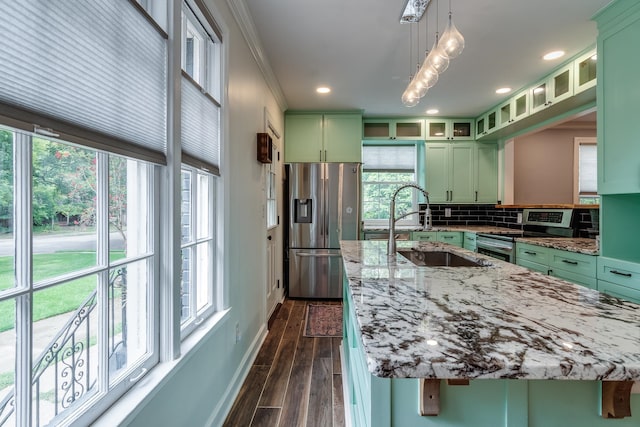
point(496, 246)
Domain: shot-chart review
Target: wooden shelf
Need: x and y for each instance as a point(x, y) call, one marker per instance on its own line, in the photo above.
point(549, 206)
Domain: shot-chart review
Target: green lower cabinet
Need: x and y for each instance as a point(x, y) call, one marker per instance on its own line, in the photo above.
point(570, 266)
point(469, 241)
point(394, 402)
point(451, 237)
point(619, 278)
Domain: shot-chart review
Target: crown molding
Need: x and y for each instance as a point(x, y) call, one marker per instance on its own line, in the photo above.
point(247, 27)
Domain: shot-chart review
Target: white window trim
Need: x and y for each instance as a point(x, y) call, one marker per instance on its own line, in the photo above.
point(577, 141)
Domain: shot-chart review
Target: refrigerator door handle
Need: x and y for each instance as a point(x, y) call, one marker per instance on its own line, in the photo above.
point(322, 255)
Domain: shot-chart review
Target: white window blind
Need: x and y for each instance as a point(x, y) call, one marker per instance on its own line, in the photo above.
point(588, 169)
point(389, 158)
point(200, 128)
point(93, 69)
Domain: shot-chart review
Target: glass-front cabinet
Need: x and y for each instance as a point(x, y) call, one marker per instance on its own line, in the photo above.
point(585, 72)
point(556, 88)
point(450, 129)
point(487, 123)
point(514, 109)
point(385, 129)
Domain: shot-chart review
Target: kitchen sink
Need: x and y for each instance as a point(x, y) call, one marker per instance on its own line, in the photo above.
point(438, 259)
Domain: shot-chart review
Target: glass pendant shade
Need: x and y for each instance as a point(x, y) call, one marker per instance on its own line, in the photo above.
point(419, 86)
point(428, 75)
point(452, 41)
point(410, 98)
point(437, 58)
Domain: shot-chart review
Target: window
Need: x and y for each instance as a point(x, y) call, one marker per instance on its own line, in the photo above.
point(197, 248)
point(77, 290)
point(200, 51)
point(272, 202)
point(385, 169)
point(586, 171)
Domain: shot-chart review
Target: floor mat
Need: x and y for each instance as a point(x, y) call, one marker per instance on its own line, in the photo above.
point(323, 320)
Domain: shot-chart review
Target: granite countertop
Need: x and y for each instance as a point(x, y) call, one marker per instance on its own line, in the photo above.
point(495, 321)
point(572, 244)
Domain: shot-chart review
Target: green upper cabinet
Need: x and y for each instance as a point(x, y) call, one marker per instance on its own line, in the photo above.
point(450, 172)
point(514, 109)
point(585, 71)
point(450, 129)
point(488, 123)
point(461, 172)
point(393, 129)
point(486, 173)
point(323, 138)
point(618, 98)
point(556, 88)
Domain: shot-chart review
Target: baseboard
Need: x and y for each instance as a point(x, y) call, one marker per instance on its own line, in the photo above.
point(221, 410)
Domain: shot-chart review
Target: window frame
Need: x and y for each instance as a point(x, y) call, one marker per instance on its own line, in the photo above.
point(110, 386)
point(197, 316)
point(578, 196)
point(409, 220)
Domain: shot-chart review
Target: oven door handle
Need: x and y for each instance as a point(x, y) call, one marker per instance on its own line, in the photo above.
point(489, 244)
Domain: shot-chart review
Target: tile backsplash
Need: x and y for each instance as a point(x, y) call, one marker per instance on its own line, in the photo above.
point(501, 217)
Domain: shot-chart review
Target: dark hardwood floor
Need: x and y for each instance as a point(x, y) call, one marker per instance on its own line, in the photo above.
point(295, 380)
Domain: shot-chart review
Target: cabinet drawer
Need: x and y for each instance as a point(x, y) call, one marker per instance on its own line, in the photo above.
point(579, 279)
point(619, 272)
point(619, 291)
point(532, 253)
point(424, 236)
point(469, 241)
point(540, 268)
point(451, 237)
point(573, 262)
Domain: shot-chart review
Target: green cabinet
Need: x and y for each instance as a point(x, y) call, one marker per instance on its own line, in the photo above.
point(585, 72)
point(450, 129)
point(516, 108)
point(557, 87)
point(619, 278)
point(571, 266)
point(449, 172)
point(393, 129)
point(323, 138)
point(451, 237)
point(486, 173)
point(469, 241)
point(487, 123)
point(461, 172)
point(618, 98)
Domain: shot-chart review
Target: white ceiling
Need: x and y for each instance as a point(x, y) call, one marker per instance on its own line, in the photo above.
point(360, 50)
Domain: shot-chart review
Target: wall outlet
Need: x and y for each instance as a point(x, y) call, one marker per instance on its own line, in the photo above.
point(238, 337)
point(519, 219)
point(447, 212)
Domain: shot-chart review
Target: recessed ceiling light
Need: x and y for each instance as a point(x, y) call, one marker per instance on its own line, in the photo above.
point(553, 55)
point(503, 90)
point(323, 89)
point(433, 111)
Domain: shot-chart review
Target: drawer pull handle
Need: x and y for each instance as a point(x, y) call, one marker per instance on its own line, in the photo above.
point(448, 237)
point(530, 253)
point(566, 261)
point(620, 273)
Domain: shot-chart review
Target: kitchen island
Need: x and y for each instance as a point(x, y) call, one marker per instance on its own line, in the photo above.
point(530, 350)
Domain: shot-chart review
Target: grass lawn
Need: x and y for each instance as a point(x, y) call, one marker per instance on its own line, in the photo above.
point(57, 299)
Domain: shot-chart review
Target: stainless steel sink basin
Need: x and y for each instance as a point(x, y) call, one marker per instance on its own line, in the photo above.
point(438, 259)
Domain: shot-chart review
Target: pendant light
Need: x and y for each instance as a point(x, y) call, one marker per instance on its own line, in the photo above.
point(411, 95)
point(427, 74)
point(438, 58)
point(452, 41)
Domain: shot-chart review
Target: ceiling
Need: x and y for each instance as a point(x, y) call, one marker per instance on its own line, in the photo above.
point(360, 50)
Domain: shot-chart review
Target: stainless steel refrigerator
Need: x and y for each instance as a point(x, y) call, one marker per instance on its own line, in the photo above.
point(324, 208)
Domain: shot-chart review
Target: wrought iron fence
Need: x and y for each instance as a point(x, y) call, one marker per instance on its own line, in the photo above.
point(67, 361)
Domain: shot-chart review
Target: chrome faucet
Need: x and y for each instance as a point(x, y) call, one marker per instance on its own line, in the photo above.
point(391, 247)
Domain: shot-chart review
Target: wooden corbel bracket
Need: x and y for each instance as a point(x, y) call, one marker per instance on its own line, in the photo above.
point(430, 395)
point(616, 399)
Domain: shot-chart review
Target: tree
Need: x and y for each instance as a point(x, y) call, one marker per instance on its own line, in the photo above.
point(6, 180)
